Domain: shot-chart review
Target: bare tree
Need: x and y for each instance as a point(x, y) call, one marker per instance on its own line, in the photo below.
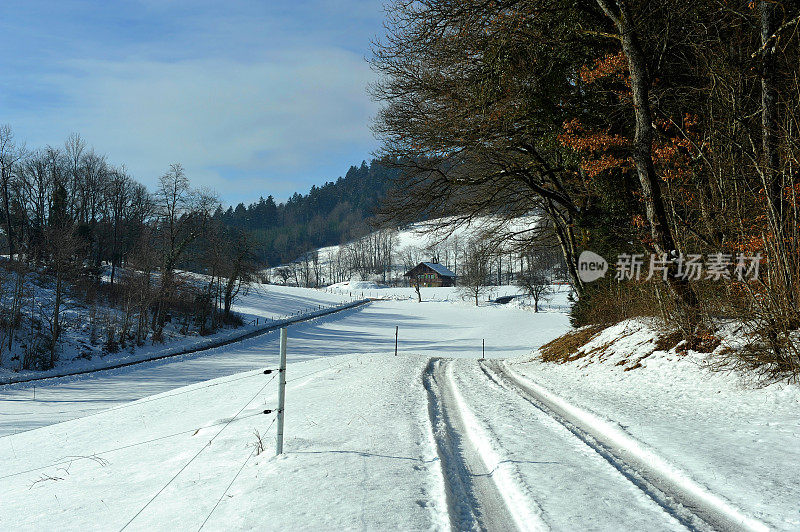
point(650, 184)
point(10, 154)
point(284, 273)
point(316, 268)
point(63, 245)
point(475, 272)
point(536, 284)
point(239, 270)
point(182, 214)
point(304, 264)
point(74, 150)
point(118, 198)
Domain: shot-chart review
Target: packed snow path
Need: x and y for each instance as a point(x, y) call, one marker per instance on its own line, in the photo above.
point(496, 434)
point(474, 500)
point(670, 488)
point(510, 462)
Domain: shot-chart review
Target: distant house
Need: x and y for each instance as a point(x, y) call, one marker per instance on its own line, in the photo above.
point(430, 274)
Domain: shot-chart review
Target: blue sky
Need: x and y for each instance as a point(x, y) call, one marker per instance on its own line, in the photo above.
point(252, 97)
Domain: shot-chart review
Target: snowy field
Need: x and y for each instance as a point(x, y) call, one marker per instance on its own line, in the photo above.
point(434, 438)
point(555, 301)
point(428, 328)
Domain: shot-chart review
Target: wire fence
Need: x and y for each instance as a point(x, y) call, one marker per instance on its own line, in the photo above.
point(198, 453)
point(98, 456)
point(253, 453)
point(93, 456)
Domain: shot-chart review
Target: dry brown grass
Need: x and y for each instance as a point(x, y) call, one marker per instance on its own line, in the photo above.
point(565, 348)
point(704, 342)
point(668, 340)
point(612, 302)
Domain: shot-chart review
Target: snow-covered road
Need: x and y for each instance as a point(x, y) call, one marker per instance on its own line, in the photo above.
point(364, 450)
point(434, 438)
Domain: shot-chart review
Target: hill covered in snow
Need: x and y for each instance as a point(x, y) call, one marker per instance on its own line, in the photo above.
point(383, 256)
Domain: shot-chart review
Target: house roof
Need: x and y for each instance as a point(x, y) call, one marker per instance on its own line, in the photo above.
point(438, 268)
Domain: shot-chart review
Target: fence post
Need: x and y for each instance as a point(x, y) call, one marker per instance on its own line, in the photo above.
point(483, 348)
point(281, 393)
point(396, 331)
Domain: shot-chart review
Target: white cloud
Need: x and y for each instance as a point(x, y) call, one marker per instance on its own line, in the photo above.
point(250, 96)
point(270, 115)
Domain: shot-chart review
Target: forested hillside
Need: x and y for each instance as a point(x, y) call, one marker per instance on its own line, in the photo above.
point(663, 130)
point(91, 252)
point(329, 214)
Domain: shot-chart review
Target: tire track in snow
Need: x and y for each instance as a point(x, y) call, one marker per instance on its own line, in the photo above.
point(694, 506)
point(480, 494)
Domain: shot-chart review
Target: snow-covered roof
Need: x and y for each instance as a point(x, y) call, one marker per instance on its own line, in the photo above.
point(438, 268)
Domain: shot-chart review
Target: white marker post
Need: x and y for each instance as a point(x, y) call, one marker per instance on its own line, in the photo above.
point(281, 393)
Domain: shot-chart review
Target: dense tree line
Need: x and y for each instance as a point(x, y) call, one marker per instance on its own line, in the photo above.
point(105, 239)
point(81, 231)
point(329, 214)
point(637, 126)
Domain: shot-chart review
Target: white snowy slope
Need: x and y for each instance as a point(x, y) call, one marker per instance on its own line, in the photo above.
point(273, 301)
point(435, 237)
point(721, 434)
point(429, 327)
point(359, 455)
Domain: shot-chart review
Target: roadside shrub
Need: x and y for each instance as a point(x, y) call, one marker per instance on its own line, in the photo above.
point(38, 352)
point(771, 353)
point(234, 320)
point(770, 321)
point(607, 301)
point(111, 345)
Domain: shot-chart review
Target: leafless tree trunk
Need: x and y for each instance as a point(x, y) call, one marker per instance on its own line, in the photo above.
point(476, 270)
point(9, 155)
point(660, 229)
point(63, 246)
point(183, 213)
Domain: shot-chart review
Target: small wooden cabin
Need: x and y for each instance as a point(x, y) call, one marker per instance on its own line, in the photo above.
point(430, 274)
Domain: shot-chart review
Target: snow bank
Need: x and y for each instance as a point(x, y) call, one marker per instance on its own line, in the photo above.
point(739, 441)
point(265, 303)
